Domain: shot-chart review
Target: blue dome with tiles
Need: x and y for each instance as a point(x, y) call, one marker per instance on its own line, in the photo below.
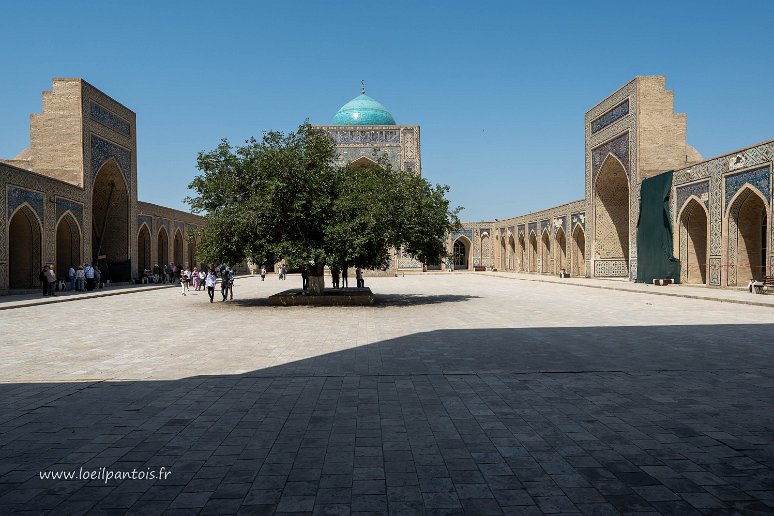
point(363, 110)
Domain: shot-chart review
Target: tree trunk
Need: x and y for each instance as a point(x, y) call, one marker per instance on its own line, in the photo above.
point(317, 279)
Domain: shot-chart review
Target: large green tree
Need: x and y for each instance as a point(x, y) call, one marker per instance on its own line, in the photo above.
point(285, 197)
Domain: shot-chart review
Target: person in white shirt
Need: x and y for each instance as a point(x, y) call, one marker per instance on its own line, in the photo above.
point(210, 281)
point(80, 278)
point(184, 278)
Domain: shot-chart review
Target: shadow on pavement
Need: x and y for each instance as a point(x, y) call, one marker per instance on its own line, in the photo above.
point(672, 419)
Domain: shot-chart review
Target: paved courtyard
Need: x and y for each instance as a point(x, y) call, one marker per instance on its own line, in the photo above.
point(456, 393)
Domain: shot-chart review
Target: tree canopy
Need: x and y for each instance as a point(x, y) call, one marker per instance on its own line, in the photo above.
point(285, 196)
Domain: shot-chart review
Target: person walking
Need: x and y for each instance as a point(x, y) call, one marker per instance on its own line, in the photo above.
point(184, 281)
point(80, 279)
point(71, 274)
point(195, 278)
point(98, 277)
point(210, 281)
point(263, 273)
point(344, 281)
point(202, 278)
point(51, 280)
point(224, 283)
point(359, 277)
point(304, 279)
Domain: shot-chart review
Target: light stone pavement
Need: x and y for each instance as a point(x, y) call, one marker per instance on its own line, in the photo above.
point(456, 393)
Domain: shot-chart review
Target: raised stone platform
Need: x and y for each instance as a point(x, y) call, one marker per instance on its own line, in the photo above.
point(331, 297)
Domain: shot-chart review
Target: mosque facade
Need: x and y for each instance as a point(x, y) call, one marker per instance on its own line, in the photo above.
point(364, 130)
point(71, 196)
point(720, 208)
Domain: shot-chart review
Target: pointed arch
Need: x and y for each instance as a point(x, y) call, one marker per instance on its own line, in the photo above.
point(693, 240)
point(144, 250)
point(178, 247)
point(461, 249)
point(560, 250)
point(747, 225)
point(511, 252)
point(25, 243)
point(162, 247)
point(545, 252)
point(611, 211)
point(578, 252)
point(110, 222)
point(68, 245)
point(533, 252)
point(363, 161)
point(522, 252)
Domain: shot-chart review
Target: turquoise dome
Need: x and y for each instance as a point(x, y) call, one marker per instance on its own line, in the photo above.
point(363, 110)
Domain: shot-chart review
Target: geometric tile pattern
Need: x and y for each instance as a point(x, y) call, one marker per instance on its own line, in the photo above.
point(466, 232)
point(615, 114)
point(579, 218)
point(611, 268)
point(64, 205)
point(619, 147)
point(103, 150)
point(109, 119)
point(714, 270)
point(147, 219)
point(18, 196)
point(757, 177)
point(697, 189)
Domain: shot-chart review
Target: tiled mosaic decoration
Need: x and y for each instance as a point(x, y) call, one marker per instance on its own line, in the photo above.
point(757, 177)
point(699, 189)
point(611, 268)
point(64, 205)
point(103, 150)
point(618, 147)
point(18, 196)
point(615, 114)
point(109, 119)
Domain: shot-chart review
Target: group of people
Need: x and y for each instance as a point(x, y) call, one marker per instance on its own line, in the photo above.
point(81, 278)
point(208, 279)
point(339, 277)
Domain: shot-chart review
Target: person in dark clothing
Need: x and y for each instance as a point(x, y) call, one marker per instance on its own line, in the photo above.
point(344, 282)
point(43, 277)
point(335, 276)
point(304, 279)
point(226, 282)
point(359, 277)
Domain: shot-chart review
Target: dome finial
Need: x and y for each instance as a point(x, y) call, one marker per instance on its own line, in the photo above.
point(362, 86)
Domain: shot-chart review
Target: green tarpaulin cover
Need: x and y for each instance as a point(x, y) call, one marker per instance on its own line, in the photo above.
point(654, 232)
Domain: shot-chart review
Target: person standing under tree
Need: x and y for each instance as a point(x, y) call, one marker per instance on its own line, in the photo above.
point(263, 273)
point(344, 281)
point(335, 276)
point(359, 277)
point(304, 279)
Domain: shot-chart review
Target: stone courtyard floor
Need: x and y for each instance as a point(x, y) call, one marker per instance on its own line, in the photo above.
point(455, 393)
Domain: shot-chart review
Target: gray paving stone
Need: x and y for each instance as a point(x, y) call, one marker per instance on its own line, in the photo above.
point(398, 412)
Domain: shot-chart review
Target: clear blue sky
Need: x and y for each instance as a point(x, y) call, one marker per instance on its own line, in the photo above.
point(499, 88)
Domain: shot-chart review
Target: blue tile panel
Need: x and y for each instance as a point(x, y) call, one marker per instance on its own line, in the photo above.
point(619, 147)
point(147, 219)
point(18, 196)
point(364, 135)
point(615, 114)
point(109, 119)
point(759, 177)
point(697, 189)
point(467, 232)
point(532, 226)
point(545, 224)
point(579, 218)
point(103, 150)
point(563, 225)
point(63, 205)
point(521, 229)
